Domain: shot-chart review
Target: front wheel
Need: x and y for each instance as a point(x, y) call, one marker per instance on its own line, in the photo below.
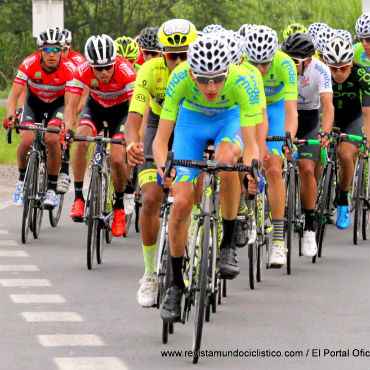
point(357, 194)
point(290, 210)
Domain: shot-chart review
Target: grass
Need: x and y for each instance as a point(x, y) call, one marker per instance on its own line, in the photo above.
point(8, 152)
point(4, 93)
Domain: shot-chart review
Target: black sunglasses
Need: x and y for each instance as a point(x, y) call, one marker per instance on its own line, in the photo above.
point(104, 68)
point(367, 39)
point(183, 55)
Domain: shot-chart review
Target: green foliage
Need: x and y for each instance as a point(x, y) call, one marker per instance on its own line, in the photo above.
point(8, 152)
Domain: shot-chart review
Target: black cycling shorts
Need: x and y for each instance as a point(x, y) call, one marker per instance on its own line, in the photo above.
point(308, 128)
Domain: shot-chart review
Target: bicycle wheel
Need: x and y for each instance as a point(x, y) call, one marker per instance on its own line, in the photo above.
point(201, 293)
point(128, 224)
point(259, 274)
point(252, 257)
point(93, 230)
point(358, 200)
point(29, 196)
point(323, 197)
point(167, 269)
point(38, 210)
point(54, 214)
point(289, 212)
point(366, 204)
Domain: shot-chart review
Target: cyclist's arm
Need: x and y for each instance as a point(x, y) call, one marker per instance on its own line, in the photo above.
point(70, 113)
point(261, 132)
point(327, 111)
point(291, 117)
point(15, 92)
point(144, 122)
point(132, 127)
point(250, 150)
point(160, 143)
point(85, 93)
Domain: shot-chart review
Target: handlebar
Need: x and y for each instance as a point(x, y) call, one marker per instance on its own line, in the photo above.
point(98, 139)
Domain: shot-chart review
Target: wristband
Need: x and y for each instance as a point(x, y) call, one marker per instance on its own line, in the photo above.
point(129, 146)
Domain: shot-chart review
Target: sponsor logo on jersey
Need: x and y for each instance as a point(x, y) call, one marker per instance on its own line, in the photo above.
point(324, 73)
point(288, 66)
point(344, 94)
point(176, 78)
point(305, 81)
point(250, 87)
point(39, 81)
point(140, 97)
point(60, 115)
point(159, 80)
point(38, 74)
point(125, 68)
point(29, 61)
point(365, 76)
point(94, 82)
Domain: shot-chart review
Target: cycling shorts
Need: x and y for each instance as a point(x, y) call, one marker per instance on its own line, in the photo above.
point(194, 129)
point(355, 127)
point(34, 109)
point(276, 119)
point(148, 170)
point(308, 128)
point(93, 115)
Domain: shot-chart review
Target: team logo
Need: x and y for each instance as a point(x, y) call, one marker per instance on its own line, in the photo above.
point(60, 115)
point(38, 74)
point(94, 82)
point(159, 80)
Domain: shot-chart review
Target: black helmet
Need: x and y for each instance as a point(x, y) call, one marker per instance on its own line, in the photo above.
point(299, 45)
point(148, 38)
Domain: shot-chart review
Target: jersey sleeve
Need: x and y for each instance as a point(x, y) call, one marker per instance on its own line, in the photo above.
point(175, 92)
point(364, 84)
point(77, 84)
point(142, 90)
point(289, 78)
point(69, 75)
point(22, 75)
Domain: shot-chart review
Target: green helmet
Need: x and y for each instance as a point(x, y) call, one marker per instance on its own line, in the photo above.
point(127, 47)
point(294, 28)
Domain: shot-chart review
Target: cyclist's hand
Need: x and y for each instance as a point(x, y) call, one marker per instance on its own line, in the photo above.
point(252, 186)
point(66, 138)
point(135, 153)
point(168, 181)
point(10, 122)
point(324, 138)
point(287, 153)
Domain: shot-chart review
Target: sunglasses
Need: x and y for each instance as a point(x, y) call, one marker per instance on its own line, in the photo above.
point(205, 80)
point(366, 39)
point(263, 65)
point(298, 61)
point(343, 68)
point(51, 49)
point(153, 53)
point(65, 48)
point(171, 55)
point(104, 68)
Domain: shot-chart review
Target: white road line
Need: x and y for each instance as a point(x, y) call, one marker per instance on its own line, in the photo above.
point(72, 340)
point(9, 243)
point(13, 254)
point(4, 232)
point(24, 282)
point(90, 363)
point(6, 204)
point(51, 316)
point(16, 268)
point(37, 298)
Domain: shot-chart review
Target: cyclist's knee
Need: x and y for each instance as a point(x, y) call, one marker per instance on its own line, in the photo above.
point(182, 206)
point(151, 202)
point(81, 147)
point(227, 153)
point(51, 140)
point(306, 169)
point(273, 173)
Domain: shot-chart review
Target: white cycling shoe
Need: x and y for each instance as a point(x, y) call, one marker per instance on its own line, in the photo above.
point(147, 293)
point(309, 246)
point(278, 254)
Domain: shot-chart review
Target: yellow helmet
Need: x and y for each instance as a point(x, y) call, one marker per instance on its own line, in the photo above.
point(294, 28)
point(127, 47)
point(176, 32)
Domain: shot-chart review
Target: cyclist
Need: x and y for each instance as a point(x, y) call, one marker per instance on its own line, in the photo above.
point(362, 49)
point(129, 49)
point(72, 55)
point(314, 28)
point(351, 87)
point(323, 36)
point(209, 99)
point(212, 29)
point(110, 79)
point(344, 34)
point(280, 83)
point(174, 36)
point(49, 78)
point(148, 42)
point(294, 28)
point(314, 86)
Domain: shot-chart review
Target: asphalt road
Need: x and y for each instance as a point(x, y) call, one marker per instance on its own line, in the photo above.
point(55, 314)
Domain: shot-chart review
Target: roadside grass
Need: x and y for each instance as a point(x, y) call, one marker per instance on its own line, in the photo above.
point(8, 152)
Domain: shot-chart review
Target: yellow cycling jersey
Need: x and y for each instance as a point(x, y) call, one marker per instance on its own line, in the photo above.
point(151, 82)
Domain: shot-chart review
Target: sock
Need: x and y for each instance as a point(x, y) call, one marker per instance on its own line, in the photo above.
point(249, 203)
point(64, 168)
point(52, 182)
point(242, 206)
point(149, 258)
point(309, 218)
point(228, 235)
point(343, 198)
point(177, 272)
point(79, 190)
point(129, 189)
point(22, 174)
point(278, 230)
point(118, 200)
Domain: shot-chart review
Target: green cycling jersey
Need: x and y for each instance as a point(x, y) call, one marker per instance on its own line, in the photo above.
point(360, 56)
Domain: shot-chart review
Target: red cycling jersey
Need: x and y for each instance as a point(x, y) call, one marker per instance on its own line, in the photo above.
point(140, 59)
point(76, 58)
point(46, 86)
point(116, 91)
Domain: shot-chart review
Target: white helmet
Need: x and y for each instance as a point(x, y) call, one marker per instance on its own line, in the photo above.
point(213, 28)
point(363, 24)
point(261, 44)
point(68, 35)
point(338, 50)
point(323, 37)
point(209, 54)
point(315, 27)
point(51, 36)
point(236, 44)
point(245, 28)
point(344, 34)
point(100, 50)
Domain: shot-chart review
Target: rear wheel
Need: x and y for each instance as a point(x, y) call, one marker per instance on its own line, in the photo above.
point(366, 203)
point(38, 211)
point(252, 257)
point(357, 195)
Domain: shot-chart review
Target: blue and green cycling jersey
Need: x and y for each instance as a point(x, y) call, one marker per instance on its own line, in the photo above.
point(360, 56)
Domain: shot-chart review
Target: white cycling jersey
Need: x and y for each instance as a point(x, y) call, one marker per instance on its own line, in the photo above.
point(316, 79)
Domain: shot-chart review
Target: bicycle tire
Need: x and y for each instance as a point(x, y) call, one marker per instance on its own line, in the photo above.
point(357, 193)
point(29, 188)
point(38, 210)
point(252, 257)
point(54, 214)
point(366, 210)
point(168, 274)
point(128, 224)
point(290, 212)
point(259, 275)
point(201, 293)
point(93, 230)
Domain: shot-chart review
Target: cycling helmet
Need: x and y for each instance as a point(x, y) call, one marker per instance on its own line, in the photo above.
point(363, 24)
point(299, 45)
point(261, 44)
point(209, 54)
point(245, 28)
point(176, 32)
point(294, 28)
point(338, 50)
point(323, 37)
point(148, 38)
point(100, 50)
point(235, 43)
point(51, 36)
point(315, 27)
point(213, 28)
point(344, 34)
point(68, 35)
point(127, 47)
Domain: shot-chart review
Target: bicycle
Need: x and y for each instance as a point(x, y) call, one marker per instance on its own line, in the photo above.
point(98, 212)
point(202, 271)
